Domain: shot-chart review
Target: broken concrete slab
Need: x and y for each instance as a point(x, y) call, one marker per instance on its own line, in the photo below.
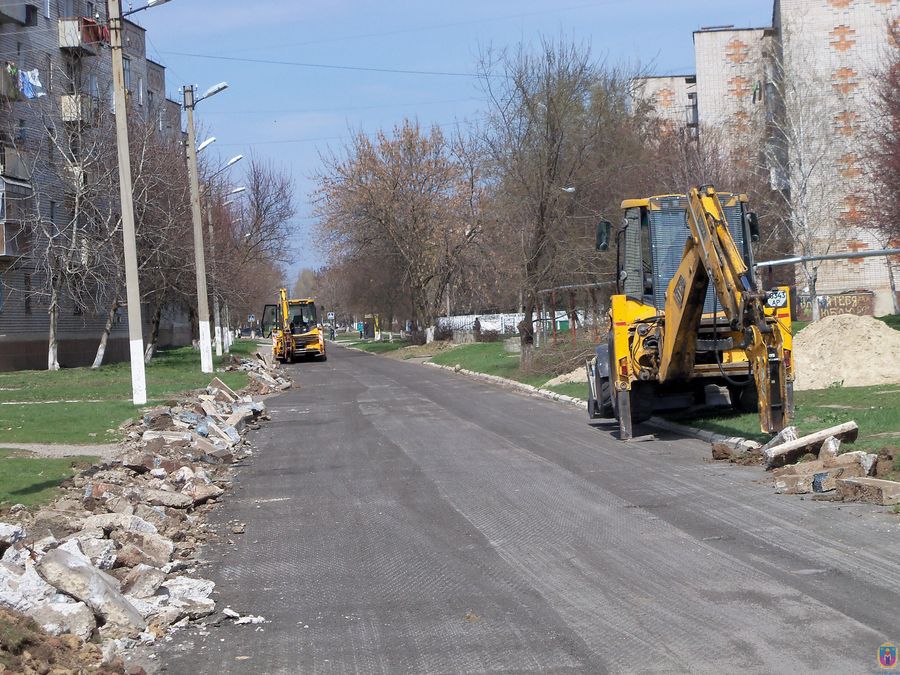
point(228, 434)
point(790, 451)
point(224, 388)
point(119, 521)
point(169, 498)
point(871, 490)
point(735, 449)
point(96, 589)
point(829, 448)
point(143, 547)
point(200, 491)
point(143, 581)
point(101, 552)
point(58, 522)
point(212, 411)
point(167, 437)
point(65, 617)
point(789, 433)
point(10, 534)
point(21, 588)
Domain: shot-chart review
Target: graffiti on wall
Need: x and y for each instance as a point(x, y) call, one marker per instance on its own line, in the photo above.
point(860, 303)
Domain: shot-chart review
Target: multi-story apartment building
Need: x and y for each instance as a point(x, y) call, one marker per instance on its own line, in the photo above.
point(799, 97)
point(673, 97)
point(55, 85)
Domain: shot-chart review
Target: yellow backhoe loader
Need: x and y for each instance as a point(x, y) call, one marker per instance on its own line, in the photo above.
point(294, 328)
point(688, 313)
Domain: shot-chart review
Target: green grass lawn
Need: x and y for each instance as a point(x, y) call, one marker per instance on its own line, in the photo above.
point(490, 358)
point(103, 396)
point(875, 409)
point(33, 480)
point(576, 389)
point(378, 347)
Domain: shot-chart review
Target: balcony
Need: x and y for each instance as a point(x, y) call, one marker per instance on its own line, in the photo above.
point(82, 35)
point(9, 84)
point(14, 11)
point(12, 164)
point(9, 241)
point(79, 108)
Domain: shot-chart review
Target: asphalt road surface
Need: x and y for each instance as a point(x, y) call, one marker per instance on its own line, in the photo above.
point(403, 519)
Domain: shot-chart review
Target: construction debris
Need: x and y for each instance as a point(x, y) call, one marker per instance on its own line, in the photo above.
point(872, 490)
point(821, 475)
point(106, 559)
point(790, 451)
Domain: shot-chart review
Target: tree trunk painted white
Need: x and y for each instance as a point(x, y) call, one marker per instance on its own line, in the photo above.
point(104, 337)
point(154, 333)
point(52, 341)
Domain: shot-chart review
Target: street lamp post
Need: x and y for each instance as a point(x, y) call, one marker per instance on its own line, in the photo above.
point(190, 101)
point(212, 254)
point(129, 247)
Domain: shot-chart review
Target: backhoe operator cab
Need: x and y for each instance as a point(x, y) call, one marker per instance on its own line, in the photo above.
point(293, 326)
point(652, 362)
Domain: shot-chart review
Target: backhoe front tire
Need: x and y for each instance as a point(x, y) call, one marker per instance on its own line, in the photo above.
point(744, 399)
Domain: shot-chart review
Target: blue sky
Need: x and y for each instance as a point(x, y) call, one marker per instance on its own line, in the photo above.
point(290, 114)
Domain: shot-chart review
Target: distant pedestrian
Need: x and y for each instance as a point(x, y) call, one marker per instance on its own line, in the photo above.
point(476, 329)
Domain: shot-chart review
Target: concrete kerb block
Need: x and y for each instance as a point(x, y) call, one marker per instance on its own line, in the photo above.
point(515, 384)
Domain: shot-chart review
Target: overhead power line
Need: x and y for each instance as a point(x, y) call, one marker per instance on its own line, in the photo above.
point(327, 66)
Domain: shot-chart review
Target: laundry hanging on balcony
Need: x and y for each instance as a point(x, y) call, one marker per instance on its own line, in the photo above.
point(30, 84)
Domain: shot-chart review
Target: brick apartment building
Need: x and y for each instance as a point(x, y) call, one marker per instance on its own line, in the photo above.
point(56, 73)
point(801, 93)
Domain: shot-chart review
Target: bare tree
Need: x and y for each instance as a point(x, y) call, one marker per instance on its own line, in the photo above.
point(544, 134)
point(411, 200)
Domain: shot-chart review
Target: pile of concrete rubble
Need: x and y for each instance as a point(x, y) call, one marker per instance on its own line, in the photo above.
point(815, 464)
point(111, 558)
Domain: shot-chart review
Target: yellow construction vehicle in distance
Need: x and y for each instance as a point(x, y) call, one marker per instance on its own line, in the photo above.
point(294, 328)
point(688, 313)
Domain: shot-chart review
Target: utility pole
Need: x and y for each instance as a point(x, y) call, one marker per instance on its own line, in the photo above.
point(132, 287)
point(206, 363)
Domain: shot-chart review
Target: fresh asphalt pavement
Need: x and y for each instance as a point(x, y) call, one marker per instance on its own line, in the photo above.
point(404, 519)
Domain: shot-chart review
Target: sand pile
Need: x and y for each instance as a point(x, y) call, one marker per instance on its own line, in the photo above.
point(577, 375)
point(858, 351)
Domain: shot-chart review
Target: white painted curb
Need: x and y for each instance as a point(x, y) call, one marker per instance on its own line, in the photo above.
point(527, 388)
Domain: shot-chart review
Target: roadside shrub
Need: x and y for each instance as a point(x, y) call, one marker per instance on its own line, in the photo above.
point(490, 336)
point(443, 333)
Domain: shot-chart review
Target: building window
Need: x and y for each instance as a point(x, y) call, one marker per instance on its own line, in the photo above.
point(47, 9)
point(140, 91)
point(127, 65)
point(91, 12)
point(2, 294)
point(94, 86)
point(69, 8)
point(27, 283)
point(21, 133)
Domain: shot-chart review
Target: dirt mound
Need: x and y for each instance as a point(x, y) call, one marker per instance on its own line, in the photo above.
point(857, 351)
point(26, 648)
point(577, 375)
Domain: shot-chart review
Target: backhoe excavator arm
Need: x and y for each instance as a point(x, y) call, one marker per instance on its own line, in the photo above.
point(710, 253)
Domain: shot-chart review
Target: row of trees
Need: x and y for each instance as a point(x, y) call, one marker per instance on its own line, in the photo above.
point(69, 224)
point(415, 220)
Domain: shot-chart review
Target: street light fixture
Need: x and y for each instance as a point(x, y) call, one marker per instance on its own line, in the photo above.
point(129, 244)
point(190, 101)
point(205, 144)
point(150, 3)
